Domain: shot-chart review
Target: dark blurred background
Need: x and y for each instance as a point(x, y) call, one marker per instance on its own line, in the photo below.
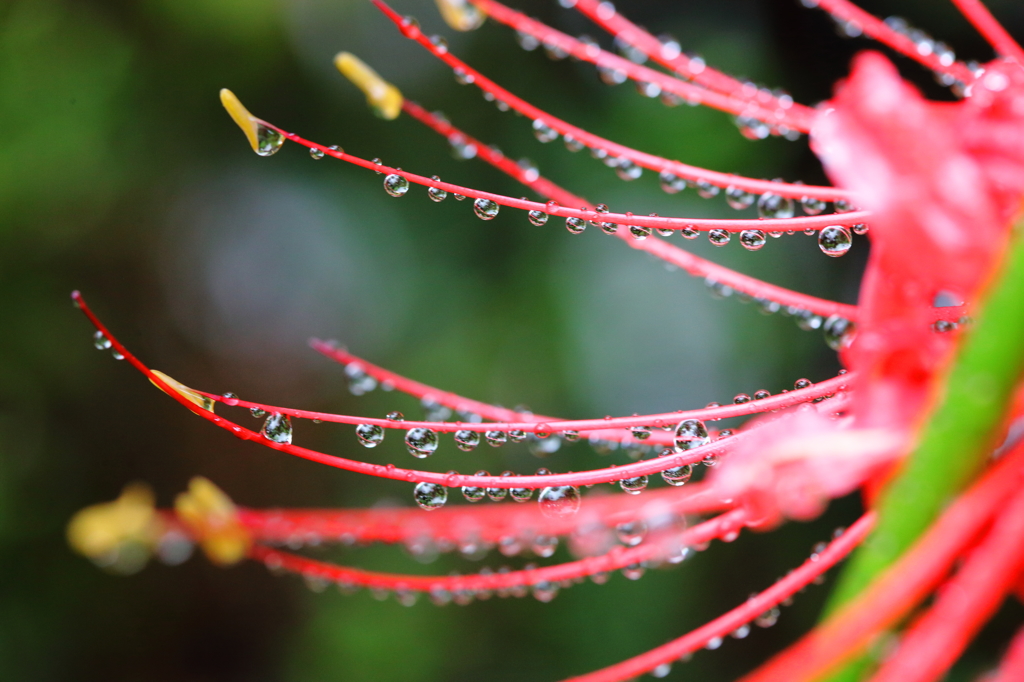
point(121, 175)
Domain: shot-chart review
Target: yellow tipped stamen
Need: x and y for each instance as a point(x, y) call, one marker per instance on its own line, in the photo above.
point(384, 98)
point(461, 15)
point(212, 518)
point(241, 116)
point(184, 391)
point(264, 140)
point(119, 535)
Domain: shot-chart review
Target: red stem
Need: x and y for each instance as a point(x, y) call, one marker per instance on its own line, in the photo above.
point(1011, 669)
point(992, 30)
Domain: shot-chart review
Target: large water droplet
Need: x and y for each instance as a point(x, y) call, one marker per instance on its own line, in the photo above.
point(268, 140)
point(690, 434)
point(560, 501)
point(752, 240)
point(575, 225)
point(370, 435)
point(485, 209)
point(719, 237)
point(467, 440)
point(430, 496)
point(278, 428)
point(496, 438)
point(634, 485)
point(677, 476)
point(835, 240)
point(639, 233)
point(395, 185)
point(421, 442)
point(537, 218)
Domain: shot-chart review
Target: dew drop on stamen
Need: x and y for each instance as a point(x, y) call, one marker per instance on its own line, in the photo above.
point(628, 170)
point(575, 225)
point(741, 399)
point(257, 412)
point(834, 240)
point(519, 494)
point(671, 183)
point(421, 442)
point(677, 476)
point(100, 341)
point(752, 240)
point(439, 43)
point(772, 205)
point(838, 331)
point(230, 399)
point(706, 190)
point(860, 228)
point(633, 571)
point(662, 670)
point(436, 194)
point(842, 206)
point(116, 354)
point(812, 205)
point(517, 436)
point(689, 232)
point(633, 485)
point(474, 493)
point(369, 435)
point(631, 533)
point(278, 428)
point(738, 198)
point(396, 185)
point(802, 383)
point(377, 162)
point(537, 218)
point(496, 438)
point(641, 233)
point(761, 395)
point(485, 209)
point(641, 432)
point(467, 440)
point(268, 140)
point(690, 434)
point(316, 153)
point(718, 237)
point(430, 496)
point(558, 502)
point(543, 132)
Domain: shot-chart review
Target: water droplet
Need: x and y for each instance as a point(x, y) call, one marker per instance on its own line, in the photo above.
point(713, 643)
point(575, 225)
point(544, 591)
point(689, 232)
point(860, 228)
point(421, 442)
point(439, 43)
point(396, 416)
point(257, 412)
point(834, 240)
point(316, 153)
point(516, 436)
point(278, 428)
point(812, 205)
point(631, 533)
point(718, 237)
point(741, 399)
point(706, 190)
point(641, 233)
point(677, 476)
point(761, 395)
point(377, 162)
point(430, 496)
point(633, 571)
point(560, 501)
point(336, 148)
point(752, 240)
point(395, 185)
point(520, 494)
point(497, 494)
point(467, 440)
point(774, 206)
point(690, 434)
point(768, 618)
point(671, 183)
point(842, 206)
point(370, 435)
point(537, 218)
point(485, 209)
point(474, 493)
point(496, 438)
point(738, 198)
point(641, 432)
point(838, 331)
point(268, 140)
point(230, 399)
point(627, 170)
point(544, 545)
point(634, 485)
point(543, 132)
point(808, 321)
point(661, 670)
point(116, 354)
point(100, 341)
point(802, 383)
point(436, 194)
point(572, 144)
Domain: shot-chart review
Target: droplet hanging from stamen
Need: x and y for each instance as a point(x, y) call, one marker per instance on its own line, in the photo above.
point(772, 205)
point(421, 442)
point(278, 428)
point(467, 440)
point(430, 496)
point(671, 183)
point(690, 434)
point(719, 237)
point(558, 502)
point(485, 209)
point(537, 218)
point(738, 198)
point(752, 240)
point(396, 185)
point(436, 194)
point(370, 435)
point(835, 240)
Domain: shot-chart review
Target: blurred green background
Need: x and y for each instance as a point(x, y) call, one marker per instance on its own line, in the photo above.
point(121, 175)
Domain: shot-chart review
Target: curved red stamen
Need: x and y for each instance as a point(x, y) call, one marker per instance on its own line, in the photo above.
point(880, 31)
point(741, 615)
point(602, 59)
point(1011, 668)
point(620, 557)
point(992, 30)
point(649, 161)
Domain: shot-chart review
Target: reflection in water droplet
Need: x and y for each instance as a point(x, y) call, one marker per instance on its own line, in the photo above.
point(100, 341)
point(537, 218)
point(671, 183)
point(739, 198)
point(543, 132)
point(436, 194)
point(838, 331)
point(752, 240)
point(575, 225)
point(278, 428)
point(718, 237)
point(396, 185)
point(256, 412)
point(690, 434)
point(631, 533)
point(496, 438)
point(689, 232)
point(812, 205)
point(316, 153)
point(430, 496)
point(774, 206)
point(268, 140)
point(834, 240)
point(485, 209)
point(634, 485)
point(559, 501)
point(421, 442)
point(370, 435)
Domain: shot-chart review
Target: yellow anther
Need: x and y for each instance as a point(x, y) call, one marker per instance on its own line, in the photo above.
point(461, 14)
point(246, 121)
point(212, 518)
point(121, 534)
point(384, 98)
point(184, 391)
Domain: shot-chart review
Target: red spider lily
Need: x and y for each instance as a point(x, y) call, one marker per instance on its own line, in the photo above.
point(940, 185)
